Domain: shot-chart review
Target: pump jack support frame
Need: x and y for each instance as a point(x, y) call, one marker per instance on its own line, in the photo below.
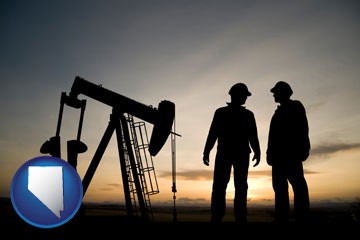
point(118, 123)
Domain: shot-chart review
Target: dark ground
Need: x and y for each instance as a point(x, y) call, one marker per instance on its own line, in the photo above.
point(110, 222)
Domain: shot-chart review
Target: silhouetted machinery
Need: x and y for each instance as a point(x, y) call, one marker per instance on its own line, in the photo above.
point(138, 175)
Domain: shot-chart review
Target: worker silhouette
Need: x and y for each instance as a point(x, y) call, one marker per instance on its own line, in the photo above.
point(288, 147)
point(234, 128)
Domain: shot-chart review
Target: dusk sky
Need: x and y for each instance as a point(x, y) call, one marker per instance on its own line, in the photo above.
point(190, 53)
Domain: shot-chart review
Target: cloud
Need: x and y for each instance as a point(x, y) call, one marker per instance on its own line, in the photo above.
point(207, 175)
point(320, 151)
point(203, 175)
point(192, 201)
point(314, 107)
point(268, 173)
point(259, 174)
point(116, 185)
point(309, 172)
point(326, 149)
point(111, 187)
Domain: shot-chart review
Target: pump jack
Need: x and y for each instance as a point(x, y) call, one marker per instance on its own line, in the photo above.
point(123, 108)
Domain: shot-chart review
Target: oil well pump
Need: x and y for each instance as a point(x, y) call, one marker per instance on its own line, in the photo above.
point(135, 150)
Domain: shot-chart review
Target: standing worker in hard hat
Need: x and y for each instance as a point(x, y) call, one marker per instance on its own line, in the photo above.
point(234, 128)
point(288, 147)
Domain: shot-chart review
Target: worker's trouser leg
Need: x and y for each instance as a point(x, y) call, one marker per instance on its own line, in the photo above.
point(222, 171)
point(281, 190)
point(241, 167)
point(292, 172)
point(301, 194)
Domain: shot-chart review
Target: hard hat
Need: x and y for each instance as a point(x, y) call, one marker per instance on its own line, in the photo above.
point(282, 88)
point(239, 89)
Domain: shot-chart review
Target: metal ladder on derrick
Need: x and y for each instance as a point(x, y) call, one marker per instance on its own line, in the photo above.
point(144, 165)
